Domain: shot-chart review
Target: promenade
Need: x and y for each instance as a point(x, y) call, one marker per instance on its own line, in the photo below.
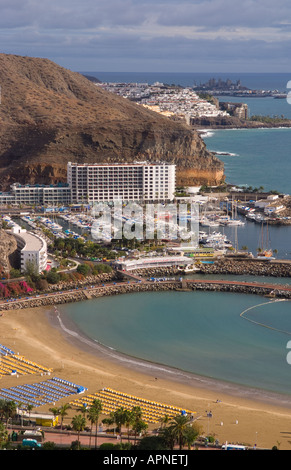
point(143, 285)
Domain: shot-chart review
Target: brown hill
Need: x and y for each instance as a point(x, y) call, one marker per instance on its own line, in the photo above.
point(50, 115)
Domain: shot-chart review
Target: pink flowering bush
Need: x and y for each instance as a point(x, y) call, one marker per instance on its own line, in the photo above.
point(14, 289)
point(25, 287)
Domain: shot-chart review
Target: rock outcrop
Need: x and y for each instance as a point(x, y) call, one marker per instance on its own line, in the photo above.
point(50, 115)
point(8, 248)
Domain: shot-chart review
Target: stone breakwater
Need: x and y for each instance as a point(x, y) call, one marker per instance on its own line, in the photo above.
point(251, 267)
point(242, 288)
point(82, 294)
point(248, 267)
point(88, 293)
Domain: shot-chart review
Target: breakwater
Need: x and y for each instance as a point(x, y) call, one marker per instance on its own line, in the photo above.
point(251, 267)
point(109, 289)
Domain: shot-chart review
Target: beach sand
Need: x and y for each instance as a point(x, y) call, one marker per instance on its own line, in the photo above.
point(239, 415)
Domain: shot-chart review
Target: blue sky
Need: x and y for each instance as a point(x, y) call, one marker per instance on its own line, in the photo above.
point(151, 35)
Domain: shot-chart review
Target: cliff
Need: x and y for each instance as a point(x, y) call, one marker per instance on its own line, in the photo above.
point(50, 115)
point(8, 248)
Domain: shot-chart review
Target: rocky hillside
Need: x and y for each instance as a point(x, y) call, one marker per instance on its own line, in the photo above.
point(50, 115)
point(8, 248)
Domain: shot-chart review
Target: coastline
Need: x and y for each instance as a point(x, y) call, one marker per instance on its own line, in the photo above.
point(80, 340)
point(38, 335)
point(55, 342)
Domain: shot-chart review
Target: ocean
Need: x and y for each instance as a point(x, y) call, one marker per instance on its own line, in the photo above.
point(204, 333)
point(208, 336)
point(254, 81)
point(258, 157)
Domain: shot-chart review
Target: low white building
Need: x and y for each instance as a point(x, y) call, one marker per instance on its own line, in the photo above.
point(154, 262)
point(32, 249)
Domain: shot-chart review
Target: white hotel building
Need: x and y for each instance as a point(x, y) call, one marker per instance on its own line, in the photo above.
point(32, 249)
point(140, 181)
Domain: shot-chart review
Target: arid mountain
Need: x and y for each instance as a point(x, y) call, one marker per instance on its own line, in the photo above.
point(50, 115)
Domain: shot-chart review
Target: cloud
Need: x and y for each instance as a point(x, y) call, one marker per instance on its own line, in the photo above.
point(138, 33)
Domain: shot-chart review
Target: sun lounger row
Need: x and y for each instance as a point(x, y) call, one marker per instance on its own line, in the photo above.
point(152, 412)
point(5, 350)
point(38, 394)
point(11, 363)
point(21, 366)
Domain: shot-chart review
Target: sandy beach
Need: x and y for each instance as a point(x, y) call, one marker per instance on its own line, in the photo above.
point(239, 415)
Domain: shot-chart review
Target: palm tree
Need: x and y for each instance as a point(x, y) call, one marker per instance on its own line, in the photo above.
point(2, 408)
point(164, 420)
point(9, 409)
point(191, 434)
point(63, 412)
point(93, 416)
point(128, 419)
point(55, 411)
point(29, 408)
point(136, 413)
point(179, 426)
point(83, 409)
point(168, 437)
point(93, 420)
point(119, 417)
point(3, 435)
point(78, 424)
point(138, 427)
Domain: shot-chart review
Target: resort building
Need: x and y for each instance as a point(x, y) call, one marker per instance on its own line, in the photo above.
point(87, 183)
point(32, 249)
point(138, 181)
point(154, 262)
point(41, 194)
point(51, 195)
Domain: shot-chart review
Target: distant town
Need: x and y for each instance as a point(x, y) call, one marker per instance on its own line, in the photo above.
point(189, 103)
point(227, 87)
point(169, 100)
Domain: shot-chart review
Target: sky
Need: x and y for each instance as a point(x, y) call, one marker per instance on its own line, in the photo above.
point(151, 35)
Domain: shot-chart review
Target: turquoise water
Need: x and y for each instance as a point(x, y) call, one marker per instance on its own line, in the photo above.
point(198, 332)
point(260, 157)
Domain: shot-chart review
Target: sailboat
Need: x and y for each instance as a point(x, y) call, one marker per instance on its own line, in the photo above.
point(265, 254)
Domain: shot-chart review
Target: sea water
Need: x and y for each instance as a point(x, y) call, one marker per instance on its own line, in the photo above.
point(257, 157)
point(201, 332)
point(253, 81)
point(198, 332)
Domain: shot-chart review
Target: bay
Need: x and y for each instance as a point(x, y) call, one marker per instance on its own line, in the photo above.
point(197, 332)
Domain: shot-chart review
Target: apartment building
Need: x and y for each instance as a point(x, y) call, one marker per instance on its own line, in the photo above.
point(31, 248)
point(40, 194)
point(140, 181)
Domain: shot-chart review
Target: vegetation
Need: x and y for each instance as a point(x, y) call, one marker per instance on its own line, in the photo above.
point(269, 119)
point(207, 97)
point(93, 416)
point(71, 247)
